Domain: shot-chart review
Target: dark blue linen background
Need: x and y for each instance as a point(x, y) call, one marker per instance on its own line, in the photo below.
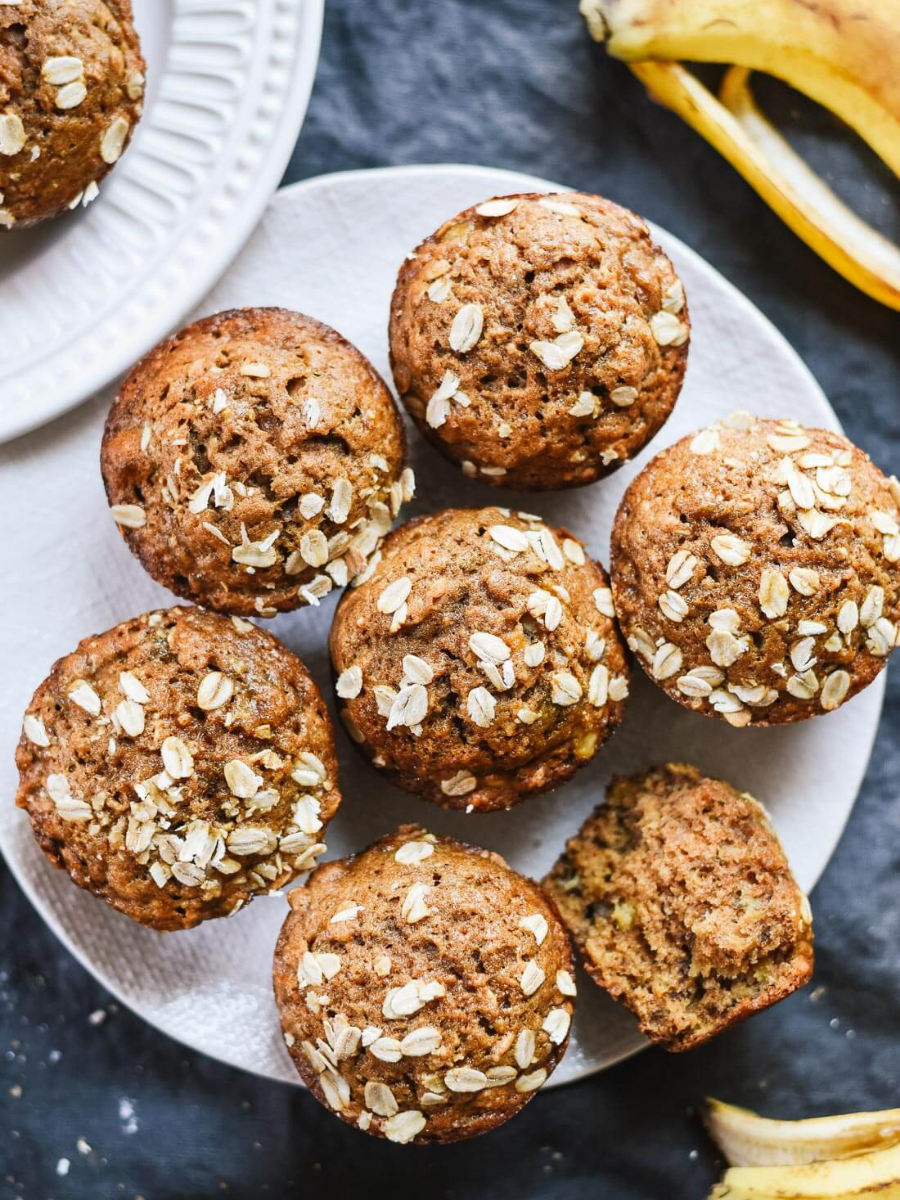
point(510, 83)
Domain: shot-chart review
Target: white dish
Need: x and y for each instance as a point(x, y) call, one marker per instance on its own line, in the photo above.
point(331, 247)
point(84, 296)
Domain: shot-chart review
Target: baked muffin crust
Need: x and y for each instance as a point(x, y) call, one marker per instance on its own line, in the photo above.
point(177, 765)
point(682, 903)
point(71, 93)
point(254, 461)
point(425, 989)
point(755, 570)
point(479, 664)
point(539, 341)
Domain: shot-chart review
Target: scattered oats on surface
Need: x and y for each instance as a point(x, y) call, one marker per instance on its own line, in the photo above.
point(559, 353)
point(467, 327)
point(501, 207)
point(532, 978)
point(131, 516)
point(411, 853)
point(461, 784)
point(349, 683)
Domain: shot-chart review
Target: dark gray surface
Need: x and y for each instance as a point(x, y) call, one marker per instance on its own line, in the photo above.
point(511, 83)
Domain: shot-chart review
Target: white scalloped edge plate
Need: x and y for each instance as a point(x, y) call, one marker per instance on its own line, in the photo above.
point(84, 296)
point(346, 236)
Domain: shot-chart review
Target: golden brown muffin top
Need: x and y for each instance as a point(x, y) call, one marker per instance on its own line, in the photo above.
point(254, 461)
point(755, 570)
point(177, 765)
point(538, 340)
point(425, 988)
point(479, 663)
point(71, 92)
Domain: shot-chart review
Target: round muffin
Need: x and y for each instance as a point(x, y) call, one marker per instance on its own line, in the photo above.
point(539, 341)
point(425, 989)
point(178, 765)
point(679, 895)
point(754, 569)
point(254, 461)
point(480, 663)
point(71, 93)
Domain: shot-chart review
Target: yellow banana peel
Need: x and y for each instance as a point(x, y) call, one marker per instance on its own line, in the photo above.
point(842, 53)
point(749, 1140)
point(872, 1176)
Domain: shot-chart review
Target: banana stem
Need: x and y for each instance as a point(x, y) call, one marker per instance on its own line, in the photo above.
point(740, 132)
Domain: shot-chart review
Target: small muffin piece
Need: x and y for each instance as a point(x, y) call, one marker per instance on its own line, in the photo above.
point(178, 765)
point(425, 989)
point(680, 898)
point(755, 570)
point(71, 93)
point(254, 461)
point(479, 664)
point(539, 340)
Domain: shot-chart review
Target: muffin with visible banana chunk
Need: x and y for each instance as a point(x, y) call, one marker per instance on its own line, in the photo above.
point(539, 341)
point(425, 988)
point(480, 664)
point(254, 461)
point(179, 765)
point(680, 898)
point(755, 570)
point(71, 93)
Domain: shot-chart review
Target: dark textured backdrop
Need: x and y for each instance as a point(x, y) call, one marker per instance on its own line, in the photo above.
point(512, 83)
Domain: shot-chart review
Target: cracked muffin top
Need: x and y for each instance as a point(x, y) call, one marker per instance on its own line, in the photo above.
point(178, 765)
point(425, 988)
point(540, 341)
point(679, 895)
point(480, 663)
point(254, 461)
point(755, 570)
point(71, 93)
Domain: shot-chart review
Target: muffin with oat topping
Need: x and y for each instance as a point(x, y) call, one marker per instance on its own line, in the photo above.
point(539, 341)
point(480, 663)
point(71, 93)
point(679, 896)
point(179, 765)
point(755, 570)
point(425, 989)
point(254, 461)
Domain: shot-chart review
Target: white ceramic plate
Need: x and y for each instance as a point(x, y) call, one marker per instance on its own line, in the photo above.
point(84, 296)
point(331, 247)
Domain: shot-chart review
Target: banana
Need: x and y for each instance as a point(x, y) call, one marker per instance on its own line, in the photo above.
point(873, 1176)
point(843, 53)
point(749, 1140)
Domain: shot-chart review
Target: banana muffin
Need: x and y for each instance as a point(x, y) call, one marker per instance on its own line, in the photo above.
point(425, 989)
point(178, 765)
point(755, 570)
point(480, 663)
point(255, 461)
point(540, 341)
point(683, 905)
point(71, 93)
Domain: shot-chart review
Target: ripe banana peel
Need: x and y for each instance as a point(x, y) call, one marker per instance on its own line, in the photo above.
point(749, 1140)
point(872, 1176)
point(842, 53)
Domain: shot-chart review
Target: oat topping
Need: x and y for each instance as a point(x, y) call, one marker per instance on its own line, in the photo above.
point(810, 540)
